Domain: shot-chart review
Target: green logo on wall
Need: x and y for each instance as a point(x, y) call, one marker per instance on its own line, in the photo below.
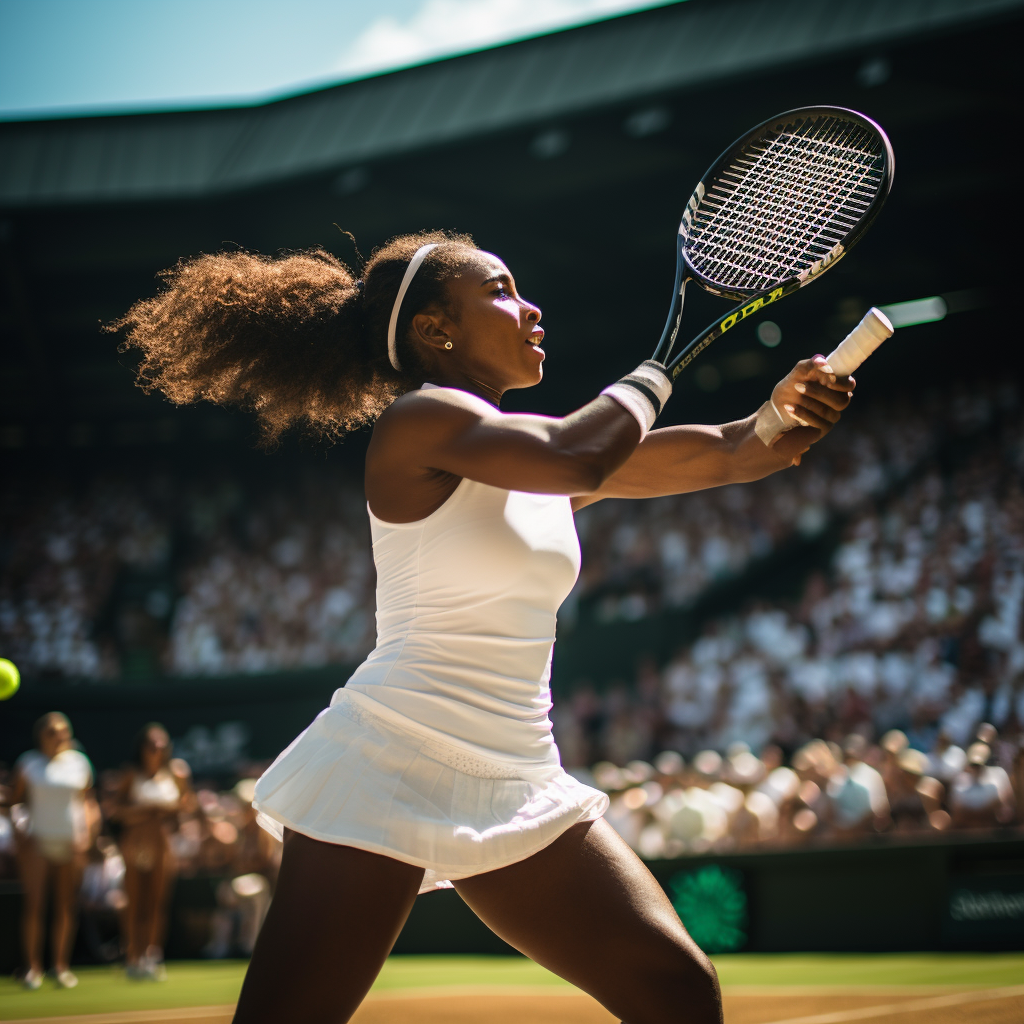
point(713, 906)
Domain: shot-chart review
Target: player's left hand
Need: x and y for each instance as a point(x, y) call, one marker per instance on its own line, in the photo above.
point(813, 396)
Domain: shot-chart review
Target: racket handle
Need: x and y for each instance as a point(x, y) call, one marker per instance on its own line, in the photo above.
point(860, 342)
point(844, 359)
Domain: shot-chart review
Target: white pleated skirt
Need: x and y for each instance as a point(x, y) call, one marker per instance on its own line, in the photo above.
point(357, 779)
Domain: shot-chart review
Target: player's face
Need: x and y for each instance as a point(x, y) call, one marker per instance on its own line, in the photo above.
point(54, 738)
point(155, 750)
point(496, 338)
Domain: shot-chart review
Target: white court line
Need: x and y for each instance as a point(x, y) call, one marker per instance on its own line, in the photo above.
point(911, 1005)
point(135, 1016)
point(850, 990)
point(227, 1010)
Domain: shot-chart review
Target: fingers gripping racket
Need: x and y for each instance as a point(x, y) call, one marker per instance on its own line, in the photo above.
point(873, 329)
point(776, 210)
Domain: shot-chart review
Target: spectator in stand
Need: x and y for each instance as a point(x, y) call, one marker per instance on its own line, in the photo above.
point(154, 790)
point(244, 898)
point(58, 821)
point(858, 801)
point(947, 760)
point(981, 795)
point(103, 901)
point(915, 799)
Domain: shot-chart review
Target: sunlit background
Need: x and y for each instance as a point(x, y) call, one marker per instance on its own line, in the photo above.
point(827, 660)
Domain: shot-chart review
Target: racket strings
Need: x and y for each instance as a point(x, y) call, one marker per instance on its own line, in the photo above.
point(784, 175)
point(812, 227)
point(786, 244)
point(845, 216)
point(773, 166)
point(784, 203)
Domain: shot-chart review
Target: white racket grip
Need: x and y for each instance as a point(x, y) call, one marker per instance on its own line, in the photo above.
point(860, 342)
point(873, 329)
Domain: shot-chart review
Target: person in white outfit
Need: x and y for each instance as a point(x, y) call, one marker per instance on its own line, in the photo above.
point(53, 783)
point(435, 764)
point(154, 790)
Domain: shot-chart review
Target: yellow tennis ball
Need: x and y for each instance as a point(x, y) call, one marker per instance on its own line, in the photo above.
point(10, 679)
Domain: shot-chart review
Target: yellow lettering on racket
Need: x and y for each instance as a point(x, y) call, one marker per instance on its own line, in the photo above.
point(729, 321)
point(741, 314)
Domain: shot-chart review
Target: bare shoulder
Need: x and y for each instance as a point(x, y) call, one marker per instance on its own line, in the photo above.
point(402, 481)
point(421, 418)
point(429, 403)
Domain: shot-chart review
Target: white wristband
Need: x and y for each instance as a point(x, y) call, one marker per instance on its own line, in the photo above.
point(643, 393)
point(637, 405)
point(769, 423)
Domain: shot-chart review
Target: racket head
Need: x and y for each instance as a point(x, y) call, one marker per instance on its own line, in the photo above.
point(786, 201)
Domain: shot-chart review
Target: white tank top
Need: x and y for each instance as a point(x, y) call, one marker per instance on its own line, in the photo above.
point(55, 789)
point(466, 603)
point(159, 790)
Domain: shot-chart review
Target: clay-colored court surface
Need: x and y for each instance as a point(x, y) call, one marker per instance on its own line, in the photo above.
point(759, 989)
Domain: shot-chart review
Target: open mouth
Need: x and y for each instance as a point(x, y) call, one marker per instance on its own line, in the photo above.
point(535, 339)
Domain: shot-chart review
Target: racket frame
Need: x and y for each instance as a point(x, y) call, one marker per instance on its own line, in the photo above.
point(752, 300)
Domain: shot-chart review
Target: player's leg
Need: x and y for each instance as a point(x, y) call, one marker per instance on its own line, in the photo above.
point(32, 871)
point(333, 920)
point(133, 891)
point(161, 882)
point(67, 877)
point(587, 909)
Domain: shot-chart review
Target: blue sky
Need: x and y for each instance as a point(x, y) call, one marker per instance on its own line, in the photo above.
point(60, 57)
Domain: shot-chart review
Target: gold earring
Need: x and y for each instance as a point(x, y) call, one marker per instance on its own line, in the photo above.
point(448, 345)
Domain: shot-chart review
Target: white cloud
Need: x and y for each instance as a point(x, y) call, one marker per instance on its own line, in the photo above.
point(442, 27)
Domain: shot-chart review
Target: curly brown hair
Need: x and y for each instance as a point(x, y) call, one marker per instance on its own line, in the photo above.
point(290, 337)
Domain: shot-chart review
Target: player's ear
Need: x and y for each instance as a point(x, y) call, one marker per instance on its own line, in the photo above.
point(432, 328)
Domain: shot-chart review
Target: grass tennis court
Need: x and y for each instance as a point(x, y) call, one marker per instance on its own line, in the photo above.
point(759, 988)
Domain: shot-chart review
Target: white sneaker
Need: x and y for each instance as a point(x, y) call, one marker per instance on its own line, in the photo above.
point(33, 980)
point(155, 970)
point(65, 979)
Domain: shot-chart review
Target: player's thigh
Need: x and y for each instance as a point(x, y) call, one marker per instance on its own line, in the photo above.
point(33, 871)
point(334, 917)
point(66, 879)
point(588, 909)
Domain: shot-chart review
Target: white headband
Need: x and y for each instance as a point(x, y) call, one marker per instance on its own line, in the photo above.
point(410, 273)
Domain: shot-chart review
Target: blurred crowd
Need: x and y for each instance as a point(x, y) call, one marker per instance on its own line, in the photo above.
point(828, 793)
point(128, 578)
point(107, 853)
point(178, 577)
point(894, 658)
point(641, 556)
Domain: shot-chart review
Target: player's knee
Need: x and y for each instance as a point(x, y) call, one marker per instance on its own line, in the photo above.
point(699, 992)
point(683, 986)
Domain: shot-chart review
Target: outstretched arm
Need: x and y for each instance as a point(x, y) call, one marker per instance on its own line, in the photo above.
point(676, 460)
point(428, 440)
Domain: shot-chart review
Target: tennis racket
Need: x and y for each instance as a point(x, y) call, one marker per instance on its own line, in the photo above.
point(778, 208)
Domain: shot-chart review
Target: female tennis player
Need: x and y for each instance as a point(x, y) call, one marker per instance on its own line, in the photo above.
point(435, 764)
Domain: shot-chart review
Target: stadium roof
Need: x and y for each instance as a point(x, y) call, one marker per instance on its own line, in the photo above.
point(199, 153)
